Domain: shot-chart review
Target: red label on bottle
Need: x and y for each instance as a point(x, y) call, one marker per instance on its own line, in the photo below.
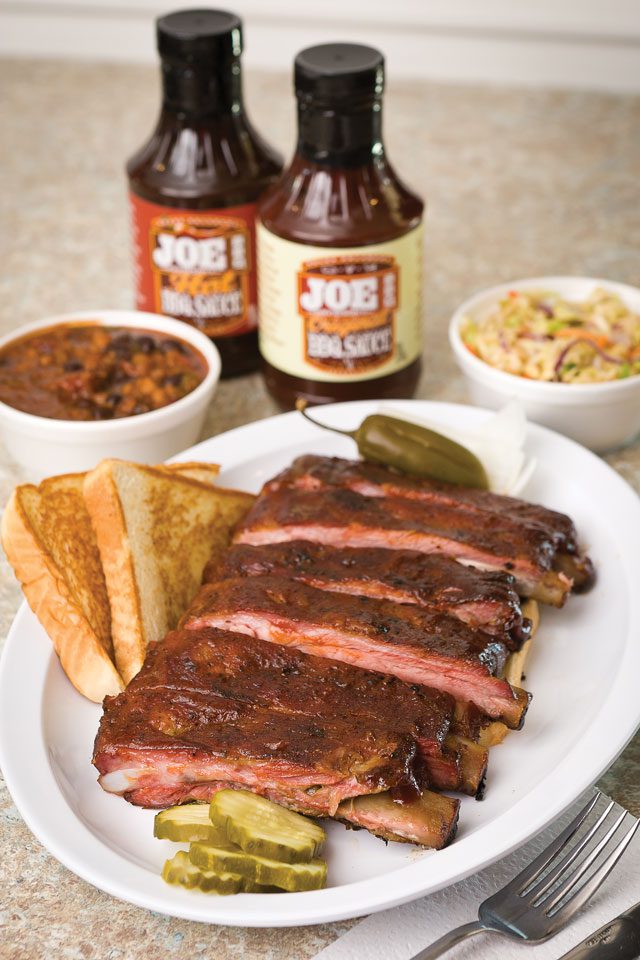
point(196, 265)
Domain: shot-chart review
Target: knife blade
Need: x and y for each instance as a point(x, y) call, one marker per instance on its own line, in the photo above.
point(617, 940)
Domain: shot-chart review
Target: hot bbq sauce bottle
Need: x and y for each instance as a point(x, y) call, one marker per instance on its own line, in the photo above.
point(340, 245)
point(194, 186)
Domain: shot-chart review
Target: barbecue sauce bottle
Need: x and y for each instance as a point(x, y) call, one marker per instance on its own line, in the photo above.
point(194, 186)
point(340, 245)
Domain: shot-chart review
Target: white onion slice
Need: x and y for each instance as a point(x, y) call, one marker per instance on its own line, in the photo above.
point(498, 442)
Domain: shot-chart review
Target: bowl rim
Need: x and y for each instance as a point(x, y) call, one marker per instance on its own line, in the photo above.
point(510, 380)
point(126, 318)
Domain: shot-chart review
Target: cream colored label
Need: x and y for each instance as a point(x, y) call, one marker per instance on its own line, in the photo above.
point(340, 313)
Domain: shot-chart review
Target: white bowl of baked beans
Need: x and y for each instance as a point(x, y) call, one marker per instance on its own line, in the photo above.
point(78, 387)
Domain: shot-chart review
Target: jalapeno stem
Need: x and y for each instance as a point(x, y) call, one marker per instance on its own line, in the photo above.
point(301, 407)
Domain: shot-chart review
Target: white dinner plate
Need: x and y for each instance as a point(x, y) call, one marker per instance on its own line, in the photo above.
point(583, 673)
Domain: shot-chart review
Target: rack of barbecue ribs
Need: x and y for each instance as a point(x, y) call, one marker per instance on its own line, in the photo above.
point(344, 656)
point(485, 600)
point(374, 480)
point(337, 502)
point(211, 709)
point(414, 644)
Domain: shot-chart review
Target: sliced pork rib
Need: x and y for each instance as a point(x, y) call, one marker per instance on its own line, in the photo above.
point(416, 645)
point(451, 762)
point(198, 717)
point(237, 667)
point(429, 815)
point(342, 518)
point(480, 598)
point(312, 472)
point(375, 480)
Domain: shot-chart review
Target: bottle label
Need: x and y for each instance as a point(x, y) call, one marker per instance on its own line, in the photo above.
point(196, 266)
point(340, 313)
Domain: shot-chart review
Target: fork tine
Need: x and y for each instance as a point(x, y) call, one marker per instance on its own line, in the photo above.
point(553, 876)
point(561, 915)
point(533, 871)
point(570, 882)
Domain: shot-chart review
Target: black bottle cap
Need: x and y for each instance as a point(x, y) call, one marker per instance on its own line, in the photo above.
point(195, 35)
point(334, 72)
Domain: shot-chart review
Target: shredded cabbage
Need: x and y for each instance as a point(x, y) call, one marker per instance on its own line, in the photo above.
point(538, 335)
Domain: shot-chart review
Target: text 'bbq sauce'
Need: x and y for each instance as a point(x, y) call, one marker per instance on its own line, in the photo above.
point(194, 186)
point(340, 245)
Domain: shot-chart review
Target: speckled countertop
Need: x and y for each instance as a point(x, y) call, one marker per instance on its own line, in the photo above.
point(519, 183)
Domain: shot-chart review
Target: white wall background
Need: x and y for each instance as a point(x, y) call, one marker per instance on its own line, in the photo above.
point(559, 43)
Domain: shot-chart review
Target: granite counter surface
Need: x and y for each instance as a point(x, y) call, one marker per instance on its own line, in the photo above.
point(519, 183)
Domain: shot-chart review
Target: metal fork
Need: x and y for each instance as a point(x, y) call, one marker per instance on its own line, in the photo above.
point(547, 893)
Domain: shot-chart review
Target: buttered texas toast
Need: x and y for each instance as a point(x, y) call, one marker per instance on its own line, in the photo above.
point(49, 540)
point(155, 533)
point(50, 543)
point(204, 472)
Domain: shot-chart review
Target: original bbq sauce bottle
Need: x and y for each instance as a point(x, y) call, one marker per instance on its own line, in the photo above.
point(194, 186)
point(340, 245)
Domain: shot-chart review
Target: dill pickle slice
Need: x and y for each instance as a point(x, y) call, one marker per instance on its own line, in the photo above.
point(180, 870)
point(265, 829)
point(186, 823)
point(249, 886)
point(293, 877)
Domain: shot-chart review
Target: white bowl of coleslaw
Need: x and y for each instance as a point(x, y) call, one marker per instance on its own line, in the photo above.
point(573, 344)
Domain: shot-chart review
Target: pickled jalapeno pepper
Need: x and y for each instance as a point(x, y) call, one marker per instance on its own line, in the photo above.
point(409, 448)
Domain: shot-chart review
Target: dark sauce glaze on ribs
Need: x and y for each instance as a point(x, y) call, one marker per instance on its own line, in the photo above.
point(484, 599)
point(211, 709)
point(284, 679)
point(346, 653)
point(315, 473)
point(342, 518)
point(416, 645)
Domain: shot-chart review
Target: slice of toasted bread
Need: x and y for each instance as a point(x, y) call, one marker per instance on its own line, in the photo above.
point(204, 472)
point(155, 532)
point(50, 543)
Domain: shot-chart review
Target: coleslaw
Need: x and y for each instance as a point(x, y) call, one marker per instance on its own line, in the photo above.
point(538, 335)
